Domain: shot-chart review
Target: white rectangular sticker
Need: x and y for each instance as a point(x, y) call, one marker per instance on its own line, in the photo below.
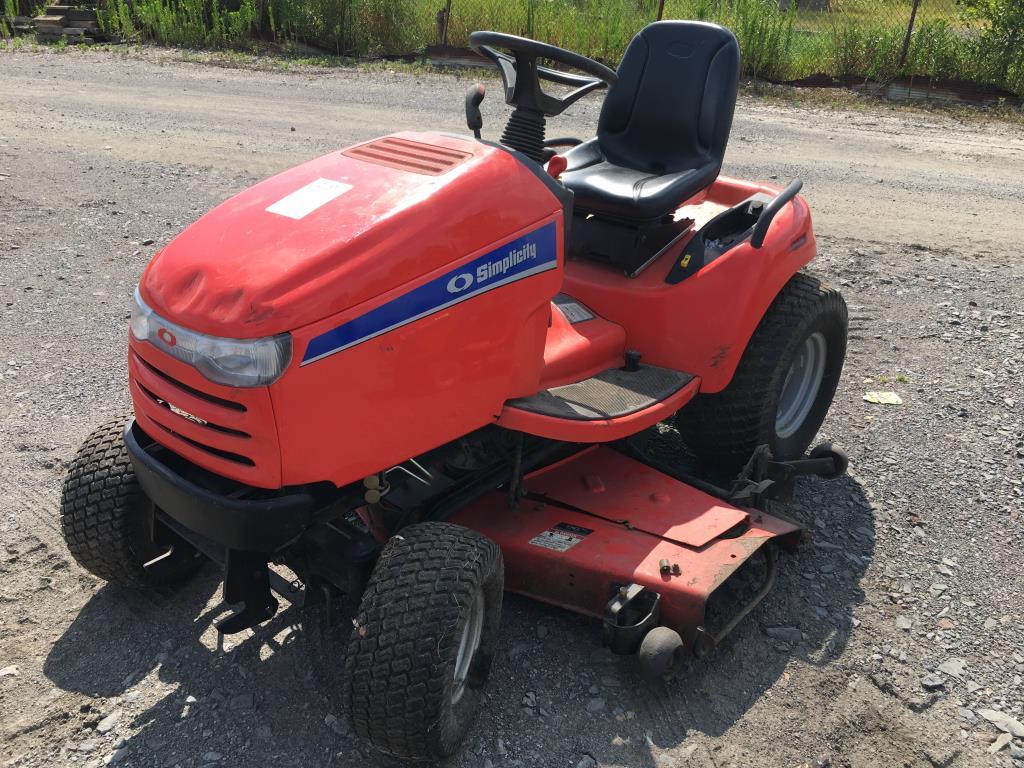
point(574, 312)
point(303, 202)
point(571, 309)
point(561, 538)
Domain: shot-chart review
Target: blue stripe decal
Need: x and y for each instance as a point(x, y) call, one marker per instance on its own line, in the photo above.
point(531, 254)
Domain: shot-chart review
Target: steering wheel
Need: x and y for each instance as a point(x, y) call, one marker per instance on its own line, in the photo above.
point(522, 75)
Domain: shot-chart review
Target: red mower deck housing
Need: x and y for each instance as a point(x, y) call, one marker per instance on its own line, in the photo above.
point(599, 521)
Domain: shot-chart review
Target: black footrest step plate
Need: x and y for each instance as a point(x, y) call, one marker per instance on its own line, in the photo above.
point(610, 394)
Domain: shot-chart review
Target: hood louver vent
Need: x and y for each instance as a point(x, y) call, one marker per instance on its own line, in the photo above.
point(409, 156)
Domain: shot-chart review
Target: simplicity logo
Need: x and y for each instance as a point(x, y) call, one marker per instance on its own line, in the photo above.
point(492, 269)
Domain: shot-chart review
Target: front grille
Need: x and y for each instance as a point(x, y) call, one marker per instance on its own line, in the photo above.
point(170, 408)
point(229, 431)
point(191, 390)
point(412, 156)
point(227, 455)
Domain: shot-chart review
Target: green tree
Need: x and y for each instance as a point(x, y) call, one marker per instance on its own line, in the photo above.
point(1004, 34)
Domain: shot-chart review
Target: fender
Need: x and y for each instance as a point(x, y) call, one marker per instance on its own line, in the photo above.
point(683, 326)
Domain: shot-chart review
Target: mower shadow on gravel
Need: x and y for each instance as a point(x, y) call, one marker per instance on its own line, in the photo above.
point(593, 696)
point(270, 689)
point(277, 692)
point(807, 618)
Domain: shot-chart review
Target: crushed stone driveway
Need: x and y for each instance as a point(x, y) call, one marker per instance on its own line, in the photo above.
point(894, 636)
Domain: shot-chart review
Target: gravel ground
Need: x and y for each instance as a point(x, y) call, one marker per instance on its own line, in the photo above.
point(895, 635)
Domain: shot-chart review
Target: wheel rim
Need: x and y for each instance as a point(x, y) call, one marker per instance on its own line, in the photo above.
point(468, 644)
point(800, 389)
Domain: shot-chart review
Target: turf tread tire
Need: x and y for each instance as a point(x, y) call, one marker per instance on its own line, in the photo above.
point(105, 516)
point(401, 654)
point(723, 429)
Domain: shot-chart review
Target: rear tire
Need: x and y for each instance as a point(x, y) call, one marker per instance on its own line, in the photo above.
point(424, 640)
point(783, 385)
point(107, 520)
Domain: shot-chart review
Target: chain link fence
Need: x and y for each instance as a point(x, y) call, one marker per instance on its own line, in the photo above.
point(787, 40)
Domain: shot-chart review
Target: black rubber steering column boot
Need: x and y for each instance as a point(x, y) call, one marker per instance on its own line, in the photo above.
point(521, 75)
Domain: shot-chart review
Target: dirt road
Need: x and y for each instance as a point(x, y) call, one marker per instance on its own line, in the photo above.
point(891, 634)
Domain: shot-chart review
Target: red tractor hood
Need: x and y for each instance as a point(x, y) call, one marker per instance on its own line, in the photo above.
point(341, 230)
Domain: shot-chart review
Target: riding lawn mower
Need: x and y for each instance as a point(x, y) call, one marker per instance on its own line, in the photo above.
point(419, 371)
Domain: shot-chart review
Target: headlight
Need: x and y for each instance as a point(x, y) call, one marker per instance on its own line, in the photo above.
point(235, 362)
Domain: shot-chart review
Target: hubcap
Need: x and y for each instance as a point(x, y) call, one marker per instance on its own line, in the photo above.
point(802, 384)
point(471, 633)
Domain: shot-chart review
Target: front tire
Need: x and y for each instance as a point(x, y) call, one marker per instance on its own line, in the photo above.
point(424, 640)
point(107, 520)
point(783, 385)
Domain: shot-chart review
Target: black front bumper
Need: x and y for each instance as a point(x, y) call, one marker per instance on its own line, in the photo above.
point(252, 525)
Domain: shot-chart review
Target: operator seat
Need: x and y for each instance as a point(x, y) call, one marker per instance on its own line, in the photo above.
point(664, 125)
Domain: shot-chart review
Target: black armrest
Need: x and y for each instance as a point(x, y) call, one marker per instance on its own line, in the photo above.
point(776, 205)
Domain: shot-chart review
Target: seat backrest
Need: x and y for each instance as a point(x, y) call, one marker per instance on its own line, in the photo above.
point(671, 109)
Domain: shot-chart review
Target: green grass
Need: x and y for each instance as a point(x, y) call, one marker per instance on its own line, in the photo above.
point(862, 38)
point(868, 13)
point(857, 37)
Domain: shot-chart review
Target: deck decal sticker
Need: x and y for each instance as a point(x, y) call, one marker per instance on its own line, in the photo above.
point(561, 538)
point(571, 309)
point(531, 254)
point(304, 201)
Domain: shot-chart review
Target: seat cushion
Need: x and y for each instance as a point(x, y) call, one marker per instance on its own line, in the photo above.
point(625, 193)
point(664, 125)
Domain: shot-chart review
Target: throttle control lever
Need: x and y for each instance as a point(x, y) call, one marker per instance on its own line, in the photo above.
point(474, 120)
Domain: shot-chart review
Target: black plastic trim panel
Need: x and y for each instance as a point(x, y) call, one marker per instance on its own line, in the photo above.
point(611, 394)
point(254, 525)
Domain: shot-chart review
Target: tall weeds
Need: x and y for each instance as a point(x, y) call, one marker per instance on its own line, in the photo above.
point(765, 36)
point(777, 43)
point(9, 12)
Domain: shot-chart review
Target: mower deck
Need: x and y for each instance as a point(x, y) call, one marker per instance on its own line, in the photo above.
point(599, 521)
